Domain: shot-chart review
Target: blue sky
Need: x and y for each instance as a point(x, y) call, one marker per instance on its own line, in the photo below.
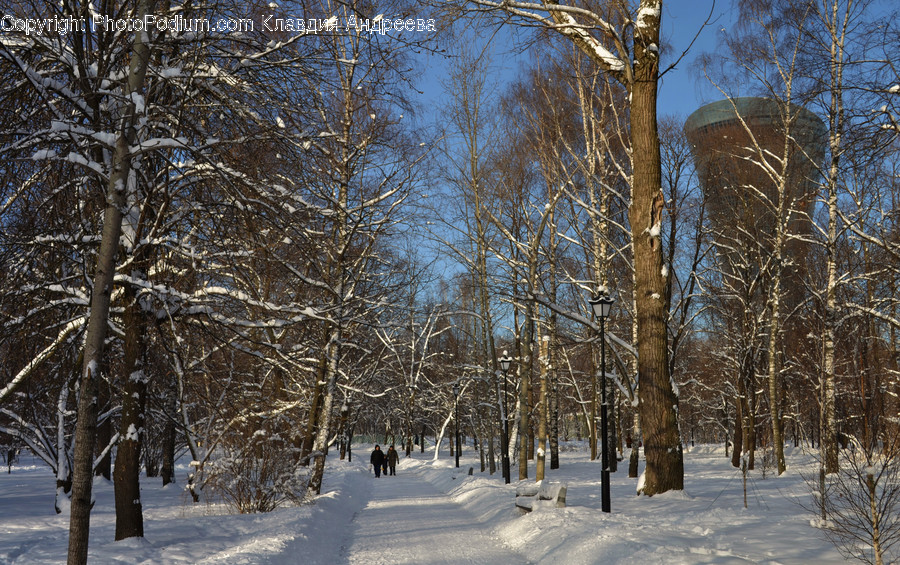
point(680, 91)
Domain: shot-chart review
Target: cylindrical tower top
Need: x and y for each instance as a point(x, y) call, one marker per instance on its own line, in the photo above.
point(758, 112)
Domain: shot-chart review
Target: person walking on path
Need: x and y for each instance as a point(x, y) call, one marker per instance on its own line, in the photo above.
point(392, 460)
point(377, 459)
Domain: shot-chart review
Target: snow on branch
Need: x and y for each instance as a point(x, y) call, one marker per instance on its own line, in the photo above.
point(42, 356)
point(562, 20)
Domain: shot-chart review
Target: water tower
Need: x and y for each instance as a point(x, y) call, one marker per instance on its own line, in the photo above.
point(741, 193)
point(729, 165)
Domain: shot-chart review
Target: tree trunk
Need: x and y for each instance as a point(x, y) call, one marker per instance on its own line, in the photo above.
point(491, 449)
point(554, 419)
point(658, 402)
point(749, 431)
point(170, 433)
point(593, 422)
point(104, 436)
point(542, 411)
point(86, 426)
point(774, 396)
point(324, 417)
point(63, 473)
point(126, 472)
point(612, 455)
point(342, 432)
point(634, 460)
point(738, 432)
point(525, 391)
point(875, 515)
point(828, 432)
point(314, 412)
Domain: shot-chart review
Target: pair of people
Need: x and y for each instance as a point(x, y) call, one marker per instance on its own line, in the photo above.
point(384, 461)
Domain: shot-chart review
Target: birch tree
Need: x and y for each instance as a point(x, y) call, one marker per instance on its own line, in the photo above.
point(836, 52)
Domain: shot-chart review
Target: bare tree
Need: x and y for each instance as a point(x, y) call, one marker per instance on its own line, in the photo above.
point(861, 502)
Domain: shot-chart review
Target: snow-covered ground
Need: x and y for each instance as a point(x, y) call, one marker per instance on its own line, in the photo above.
point(435, 513)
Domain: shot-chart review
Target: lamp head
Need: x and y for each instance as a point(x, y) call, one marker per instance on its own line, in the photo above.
point(601, 303)
point(505, 361)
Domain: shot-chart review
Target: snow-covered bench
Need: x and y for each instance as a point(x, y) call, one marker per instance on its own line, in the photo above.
point(532, 495)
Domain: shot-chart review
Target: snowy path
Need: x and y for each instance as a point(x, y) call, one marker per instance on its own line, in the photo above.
point(409, 521)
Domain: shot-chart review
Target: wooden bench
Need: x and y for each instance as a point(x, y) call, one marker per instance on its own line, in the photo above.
point(535, 494)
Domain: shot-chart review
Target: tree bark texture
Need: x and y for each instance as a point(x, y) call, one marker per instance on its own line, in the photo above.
point(126, 472)
point(658, 402)
point(324, 416)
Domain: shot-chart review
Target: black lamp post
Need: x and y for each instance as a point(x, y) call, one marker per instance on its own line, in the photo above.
point(505, 361)
point(456, 419)
point(601, 304)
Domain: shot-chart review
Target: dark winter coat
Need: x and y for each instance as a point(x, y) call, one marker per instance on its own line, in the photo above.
point(392, 457)
point(377, 458)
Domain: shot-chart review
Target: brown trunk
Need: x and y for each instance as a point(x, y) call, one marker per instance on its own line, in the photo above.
point(312, 423)
point(525, 392)
point(492, 451)
point(738, 432)
point(658, 402)
point(82, 476)
point(532, 427)
point(126, 480)
point(554, 420)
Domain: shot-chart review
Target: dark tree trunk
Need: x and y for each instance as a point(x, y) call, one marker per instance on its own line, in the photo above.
point(170, 433)
point(554, 420)
point(612, 454)
point(314, 410)
point(126, 473)
point(738, 433)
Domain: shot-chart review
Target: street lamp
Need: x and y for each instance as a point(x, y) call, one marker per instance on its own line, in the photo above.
point(505, 361)
point(456, 419)
point(601, 304)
